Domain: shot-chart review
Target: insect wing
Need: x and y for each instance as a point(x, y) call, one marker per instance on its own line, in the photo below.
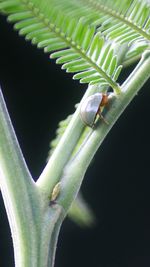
point(90, 108)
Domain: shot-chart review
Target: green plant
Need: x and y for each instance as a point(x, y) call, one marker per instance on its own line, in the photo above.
point(107, 34)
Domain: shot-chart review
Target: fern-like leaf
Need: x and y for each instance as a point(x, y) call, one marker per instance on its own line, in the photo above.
point(73, 43)
point(123, 21)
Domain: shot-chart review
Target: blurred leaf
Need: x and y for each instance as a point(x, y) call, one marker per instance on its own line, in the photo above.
point(80, 213)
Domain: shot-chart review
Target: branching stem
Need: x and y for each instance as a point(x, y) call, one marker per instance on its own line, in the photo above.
point(76, 168)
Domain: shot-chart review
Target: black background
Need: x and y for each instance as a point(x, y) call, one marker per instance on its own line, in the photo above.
point(38, 95)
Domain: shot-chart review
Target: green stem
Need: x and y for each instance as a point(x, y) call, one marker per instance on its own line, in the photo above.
point(18, 190)
point(51, 219)
point(75, 170)
point(53, 170)
point(34, 223)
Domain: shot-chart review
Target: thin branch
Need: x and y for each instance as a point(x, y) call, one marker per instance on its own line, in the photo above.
point(19, 194)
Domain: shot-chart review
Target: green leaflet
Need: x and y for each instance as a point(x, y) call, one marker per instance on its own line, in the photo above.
point(74, 42)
